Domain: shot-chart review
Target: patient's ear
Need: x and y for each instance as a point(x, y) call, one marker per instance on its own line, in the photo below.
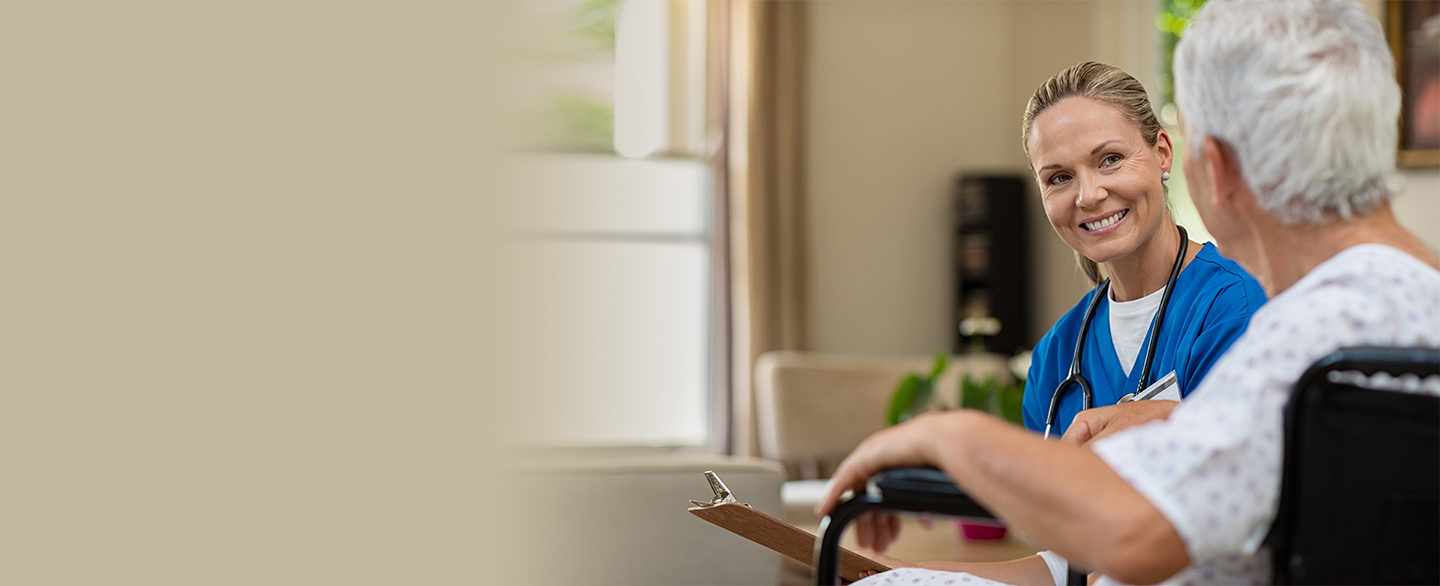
point(1222, 168)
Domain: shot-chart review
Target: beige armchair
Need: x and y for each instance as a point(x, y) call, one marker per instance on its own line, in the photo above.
point(622, 519)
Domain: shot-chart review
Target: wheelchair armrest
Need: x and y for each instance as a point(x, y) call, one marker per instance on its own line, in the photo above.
point(917, 490)
point(925, 490)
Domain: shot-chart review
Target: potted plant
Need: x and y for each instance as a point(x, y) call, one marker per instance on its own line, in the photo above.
point(915, 394)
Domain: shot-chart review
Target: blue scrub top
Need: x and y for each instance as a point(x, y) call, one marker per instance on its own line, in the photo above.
point(1212, 303)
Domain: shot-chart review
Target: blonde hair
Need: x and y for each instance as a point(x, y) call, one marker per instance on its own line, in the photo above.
point(1106, 84)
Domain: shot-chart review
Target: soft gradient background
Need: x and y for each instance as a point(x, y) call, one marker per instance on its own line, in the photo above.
point(242, 293)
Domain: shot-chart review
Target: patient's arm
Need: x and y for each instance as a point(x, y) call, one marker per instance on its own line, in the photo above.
point(1061, 495)
point(1026, 570)
point(1093, 424)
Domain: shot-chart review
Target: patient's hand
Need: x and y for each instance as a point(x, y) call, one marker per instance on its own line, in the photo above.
point(1093, 424)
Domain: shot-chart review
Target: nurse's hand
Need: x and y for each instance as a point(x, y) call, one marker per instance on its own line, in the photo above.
point(876, 530)
point(890, 562)
point(1093, 424)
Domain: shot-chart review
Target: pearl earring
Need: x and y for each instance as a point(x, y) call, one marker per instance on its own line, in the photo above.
point(1164, 175)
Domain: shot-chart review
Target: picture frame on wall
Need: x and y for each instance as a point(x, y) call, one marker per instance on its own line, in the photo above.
point(1413, 29)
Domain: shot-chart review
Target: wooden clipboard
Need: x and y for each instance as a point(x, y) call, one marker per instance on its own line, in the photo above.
point(784, 538)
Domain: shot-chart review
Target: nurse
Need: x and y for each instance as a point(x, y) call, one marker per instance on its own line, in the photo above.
point(1101, 160)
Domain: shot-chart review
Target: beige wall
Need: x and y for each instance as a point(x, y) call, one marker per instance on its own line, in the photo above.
point(903, 96)
point(1418, 206)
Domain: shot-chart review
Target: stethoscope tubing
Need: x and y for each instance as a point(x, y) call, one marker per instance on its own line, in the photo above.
point(1087, 396)
point(1160, 313)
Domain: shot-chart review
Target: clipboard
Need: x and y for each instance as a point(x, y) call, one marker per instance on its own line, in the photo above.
point(781, 537)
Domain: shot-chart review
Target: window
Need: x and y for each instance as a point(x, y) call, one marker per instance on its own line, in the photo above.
point(609, 227)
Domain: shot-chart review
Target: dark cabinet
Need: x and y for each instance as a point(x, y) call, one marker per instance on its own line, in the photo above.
point(991, 264)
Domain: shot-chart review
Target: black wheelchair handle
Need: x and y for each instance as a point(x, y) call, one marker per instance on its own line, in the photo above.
point(918, 490)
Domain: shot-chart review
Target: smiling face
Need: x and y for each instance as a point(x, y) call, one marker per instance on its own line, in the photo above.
point(1099, 180)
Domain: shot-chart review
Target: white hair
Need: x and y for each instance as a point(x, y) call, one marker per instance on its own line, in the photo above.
point(1304, 92)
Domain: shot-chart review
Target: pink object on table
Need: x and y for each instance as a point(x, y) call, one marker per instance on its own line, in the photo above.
point(981, 531)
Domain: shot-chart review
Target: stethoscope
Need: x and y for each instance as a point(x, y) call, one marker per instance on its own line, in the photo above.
point(1087, 398)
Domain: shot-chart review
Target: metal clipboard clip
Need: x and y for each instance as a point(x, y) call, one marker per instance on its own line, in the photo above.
point(722, 493)
point(1153, 390)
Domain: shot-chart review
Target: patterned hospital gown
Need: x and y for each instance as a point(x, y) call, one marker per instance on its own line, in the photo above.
point(1213, 468)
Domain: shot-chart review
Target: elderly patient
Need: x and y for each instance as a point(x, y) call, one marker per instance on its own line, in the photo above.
point(1289, 109)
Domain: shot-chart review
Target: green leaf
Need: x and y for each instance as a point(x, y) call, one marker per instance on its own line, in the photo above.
point(974, 395)
point(942, 361)
point(903, 399)
point(923, 392)
point(1012, 400)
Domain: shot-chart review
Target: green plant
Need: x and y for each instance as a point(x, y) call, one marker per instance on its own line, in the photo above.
point(915, 394)
point(990, 395)
point(912, 396)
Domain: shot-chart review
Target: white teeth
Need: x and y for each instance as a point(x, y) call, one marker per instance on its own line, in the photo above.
point(1105, 223)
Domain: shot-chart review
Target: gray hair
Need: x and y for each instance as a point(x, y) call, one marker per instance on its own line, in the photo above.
point(1304, 92)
